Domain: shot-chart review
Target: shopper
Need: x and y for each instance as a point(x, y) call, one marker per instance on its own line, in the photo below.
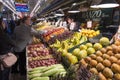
point(73, 25)
point(23, 36)
point(6, 45)
point(15, 67)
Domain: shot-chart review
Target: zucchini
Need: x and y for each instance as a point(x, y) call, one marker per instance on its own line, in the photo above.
point(38, 68)
point(41, 78)
point(34, 75)
point(34, 72)
point(50, 72)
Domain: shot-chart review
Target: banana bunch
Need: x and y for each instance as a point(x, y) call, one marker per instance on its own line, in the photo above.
point(57, 44)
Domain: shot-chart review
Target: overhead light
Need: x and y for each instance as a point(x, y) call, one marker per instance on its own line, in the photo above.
point(74, 9)
point(106, 4)
point(34, 9)
point(59, 13)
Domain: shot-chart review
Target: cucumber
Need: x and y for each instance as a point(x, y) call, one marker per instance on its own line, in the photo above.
point(41, 78)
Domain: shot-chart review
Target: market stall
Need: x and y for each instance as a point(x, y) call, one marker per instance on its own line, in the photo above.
point(62, 51)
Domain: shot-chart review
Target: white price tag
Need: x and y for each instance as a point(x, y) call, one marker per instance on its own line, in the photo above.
point(89, 24)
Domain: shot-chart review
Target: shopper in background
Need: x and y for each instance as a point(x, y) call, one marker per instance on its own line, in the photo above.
point(23, 36)
point(73, 25)
point(6, 44)
point(12, 26)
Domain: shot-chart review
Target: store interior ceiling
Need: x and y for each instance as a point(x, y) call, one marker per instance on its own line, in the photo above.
point(41, 8)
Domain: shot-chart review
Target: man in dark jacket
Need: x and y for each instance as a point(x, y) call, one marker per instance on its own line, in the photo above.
point(23, 36)
point(6, 44)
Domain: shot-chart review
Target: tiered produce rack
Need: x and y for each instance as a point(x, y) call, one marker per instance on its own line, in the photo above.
point(76, 57)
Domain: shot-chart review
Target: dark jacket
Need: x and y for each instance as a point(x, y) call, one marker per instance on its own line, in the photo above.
point(22, 36)
point(6, 43)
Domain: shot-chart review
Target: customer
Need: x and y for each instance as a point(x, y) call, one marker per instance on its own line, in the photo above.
point(15, 67)
point(23, 36)
point(6, 43)
point(73, 25)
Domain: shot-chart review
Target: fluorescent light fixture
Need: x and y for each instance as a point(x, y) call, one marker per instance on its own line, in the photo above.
point(57, 14)
point(94, 6)
point(9, 8)
point(10, 5)
point(35, 7)
point(105, 4)
point(73, 11)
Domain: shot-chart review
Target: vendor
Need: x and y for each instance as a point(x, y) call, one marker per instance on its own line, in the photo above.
point(73, 25)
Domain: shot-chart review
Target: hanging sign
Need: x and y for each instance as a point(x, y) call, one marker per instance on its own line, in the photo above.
point(21, 7)
point(100, 13)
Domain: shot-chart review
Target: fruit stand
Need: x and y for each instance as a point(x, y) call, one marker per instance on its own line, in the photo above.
point(75, 55)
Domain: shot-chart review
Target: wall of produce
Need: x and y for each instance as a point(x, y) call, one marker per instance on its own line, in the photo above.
point(66, 55)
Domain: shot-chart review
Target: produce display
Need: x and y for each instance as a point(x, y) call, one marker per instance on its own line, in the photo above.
point(39, 55)
point(52, 32)
point(89, 33)
point(69, 43)
point(45, 73)
point(105, 63)
point(61, 37)
point(84, 50)
point(100, 61)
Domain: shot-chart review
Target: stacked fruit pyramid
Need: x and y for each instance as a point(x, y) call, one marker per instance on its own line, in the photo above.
point(105, 63)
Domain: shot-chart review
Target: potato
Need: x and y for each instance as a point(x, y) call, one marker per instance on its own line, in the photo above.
point(100, 67)
point(93, 56)
point(101, 76)
point(94, 71)
point(109, 79)
point(83, 62)
point(93, 63)
point(87, 59)
point(117, 76)
point(108, 73)
point(113, 59)
point(105, 56)
point(117, 56)
point(117, 43)
point(106, 63)
point(103, 50)
point(118, 62)
point(110, 53)
point(99, 59)
point(115, 48)
point(99, 53)
point(109, 48)
point(115, 68)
